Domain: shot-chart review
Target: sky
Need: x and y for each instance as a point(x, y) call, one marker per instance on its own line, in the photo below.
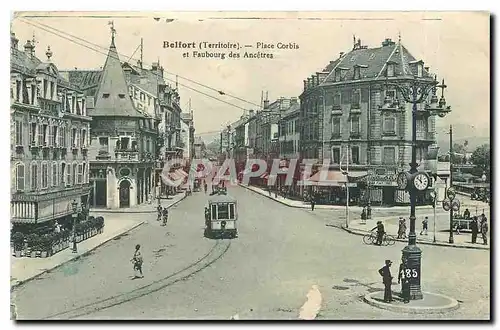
point(457, 52)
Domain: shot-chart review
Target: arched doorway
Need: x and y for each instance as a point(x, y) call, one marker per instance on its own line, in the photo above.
point(125, 193)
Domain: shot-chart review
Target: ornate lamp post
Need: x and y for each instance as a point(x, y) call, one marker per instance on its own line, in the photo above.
point(74, 205)
point(416, 91)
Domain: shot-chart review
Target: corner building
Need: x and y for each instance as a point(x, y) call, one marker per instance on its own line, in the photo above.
point(348, 109)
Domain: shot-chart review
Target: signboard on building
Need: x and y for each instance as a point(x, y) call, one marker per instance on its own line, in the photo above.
point(383, 180)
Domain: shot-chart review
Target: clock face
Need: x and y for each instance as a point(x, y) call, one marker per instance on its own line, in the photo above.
point(421, 181)
point(402, 181)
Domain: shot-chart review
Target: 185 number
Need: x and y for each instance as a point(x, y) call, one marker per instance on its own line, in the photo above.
point(407, 273)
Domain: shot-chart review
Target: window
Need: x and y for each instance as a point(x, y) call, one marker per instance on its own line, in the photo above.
point(84, 138)
point(336, 126)
point(33, 133)
point(34, 176)
point(39, 129)
point(68, 175)
point(45, 175)
point(389, 125)
point(73, 134)
point(420, 70)
point(62, 137)
point(355, 155)
point(336, 100)
point(391, 94)
point(356, 97)
point(336, 155)
point(19, 133)
point(337, 75)
point(62, 173)
point(149, 100)
point(74, 173)
point(355, 123)
point(54, 174)
point(222, 212)
point(45, 85)
point(18, 90)
point(73, 104)
point(231, 211)
point(80, 174)
point(33, 94)
point(45, 138)
point(390, 70)
point(85, 174)
point(357, 74)
point(20, 177)
point(389, 155)
point(50, 136)
point(103, 142)
point(52, 90)
point(55, 137)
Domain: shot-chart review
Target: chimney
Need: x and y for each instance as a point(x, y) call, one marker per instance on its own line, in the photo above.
point(341, 54)
point(388, 42)
point(29, 48)
point(313, 81)
point(293, 101)
point(266, 104)
point(251, 112)
point(317, 79)
point(13, 41)
point(305, 84)
point(154, 66)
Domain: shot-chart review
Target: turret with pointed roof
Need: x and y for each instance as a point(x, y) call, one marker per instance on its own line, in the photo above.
point(112, 98)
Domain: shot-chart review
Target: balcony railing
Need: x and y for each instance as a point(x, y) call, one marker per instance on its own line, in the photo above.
point(50, 105)
point(127, 154)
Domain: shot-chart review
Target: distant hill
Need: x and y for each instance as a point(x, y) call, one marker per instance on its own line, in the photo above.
point(474, 142)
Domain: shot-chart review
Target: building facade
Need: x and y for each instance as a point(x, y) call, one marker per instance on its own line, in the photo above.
point(50, 129)
point(123, 138)
point(289, 133)
point(349, 112)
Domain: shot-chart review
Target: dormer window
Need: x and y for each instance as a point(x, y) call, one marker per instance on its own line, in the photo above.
point(337, 75)
point(105, 95)
point(390, 70)
point(417, 68)
point(420, 70)
point(122, 96)
point(357, 74)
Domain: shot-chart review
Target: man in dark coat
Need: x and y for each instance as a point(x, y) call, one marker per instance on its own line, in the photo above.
point(484, 230)
point(475, 229)
point(385, 272)
point(404, 279)
point(380, 232)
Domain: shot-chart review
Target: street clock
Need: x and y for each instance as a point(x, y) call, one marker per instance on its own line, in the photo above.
point(421, 181)
point(450, 193)
point(403, 180)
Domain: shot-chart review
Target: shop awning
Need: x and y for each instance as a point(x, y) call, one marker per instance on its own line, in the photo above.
point(331, 178)
point(357, 174)
point(181, 173)
point(174, 176)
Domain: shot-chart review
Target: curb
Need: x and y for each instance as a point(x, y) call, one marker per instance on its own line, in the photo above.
point(86, 253)
point(413, 309)
point(338, 207)
point(362, 233)
point(135, 211)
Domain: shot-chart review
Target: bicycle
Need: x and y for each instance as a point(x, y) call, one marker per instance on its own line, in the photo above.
point(371, 238)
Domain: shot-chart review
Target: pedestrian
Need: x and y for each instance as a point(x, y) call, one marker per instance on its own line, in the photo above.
point(363, 213)
point(484, 230)
point(205, 186)
point(424, 226)
point(402, 228)
point(159, 209)
point(165, 216)
point(475, 229)
point(404, 279)
point(467, 214)
point(385, 272)
point(57, 228)
point(137, 262)
point(313, 201)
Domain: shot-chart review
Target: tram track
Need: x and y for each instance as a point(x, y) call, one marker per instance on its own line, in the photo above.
point(216, 252)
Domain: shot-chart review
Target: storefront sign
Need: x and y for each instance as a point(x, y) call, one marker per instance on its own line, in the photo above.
point(383, 180)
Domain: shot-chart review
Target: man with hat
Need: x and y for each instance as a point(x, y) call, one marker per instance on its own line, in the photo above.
point(380, 232)
point(385, 272)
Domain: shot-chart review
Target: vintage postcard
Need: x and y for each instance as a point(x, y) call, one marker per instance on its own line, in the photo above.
point(250, 166)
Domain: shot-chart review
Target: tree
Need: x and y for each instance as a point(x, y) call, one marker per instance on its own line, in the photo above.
point(458, 153)
point(481, 157)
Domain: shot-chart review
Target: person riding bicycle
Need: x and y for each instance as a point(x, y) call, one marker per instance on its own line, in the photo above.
point(159, 209)
point(165, 216)
point(380, 232)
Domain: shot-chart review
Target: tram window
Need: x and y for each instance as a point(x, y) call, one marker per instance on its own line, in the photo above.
point(223, 212)
point(214, 212)
point(231, 211)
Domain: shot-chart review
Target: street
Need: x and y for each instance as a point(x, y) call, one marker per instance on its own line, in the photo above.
point(265, 273)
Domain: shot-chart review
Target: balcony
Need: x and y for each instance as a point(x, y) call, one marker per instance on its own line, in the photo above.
point(126, 155)
point(50, 105)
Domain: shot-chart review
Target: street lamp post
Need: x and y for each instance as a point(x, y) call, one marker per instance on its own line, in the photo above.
point(450, 238)
point(74, 205)
point(415, 92)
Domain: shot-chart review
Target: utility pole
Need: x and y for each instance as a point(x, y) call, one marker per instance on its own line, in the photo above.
point(228, 140)
point(347, 188)
point(141, 51)
point(450, 239)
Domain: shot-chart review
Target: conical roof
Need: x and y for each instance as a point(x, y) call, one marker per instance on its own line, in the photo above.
point(112, 98)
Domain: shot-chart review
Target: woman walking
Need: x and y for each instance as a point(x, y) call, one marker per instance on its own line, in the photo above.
point(137, 262)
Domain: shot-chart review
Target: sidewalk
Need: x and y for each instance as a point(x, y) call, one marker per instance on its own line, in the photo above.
point(307, 205)
point(143, 208)
point(115, 224)
point(460, 241)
